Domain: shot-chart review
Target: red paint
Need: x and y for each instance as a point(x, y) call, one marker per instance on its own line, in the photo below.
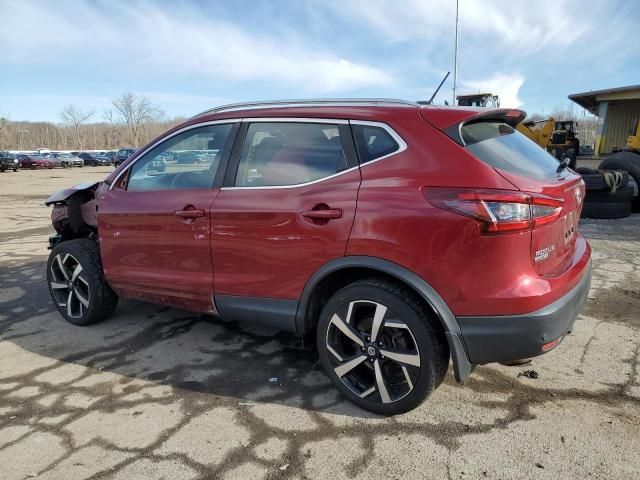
point(34, 162)
point(264, 242)
point(266, 245)
point(151, 253)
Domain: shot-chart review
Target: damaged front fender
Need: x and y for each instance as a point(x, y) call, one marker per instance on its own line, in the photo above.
point(64, 195)
point(74, 213)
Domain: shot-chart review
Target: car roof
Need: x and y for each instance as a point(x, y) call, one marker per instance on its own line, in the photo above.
point(368, 109)
point(309, 103)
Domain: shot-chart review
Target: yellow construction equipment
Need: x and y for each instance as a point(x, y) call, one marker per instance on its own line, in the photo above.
point(564, 142)
point(557, 137)
point(633, 141)
point(539, 131)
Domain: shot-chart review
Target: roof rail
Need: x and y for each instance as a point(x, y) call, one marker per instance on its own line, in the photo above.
point(305, 103)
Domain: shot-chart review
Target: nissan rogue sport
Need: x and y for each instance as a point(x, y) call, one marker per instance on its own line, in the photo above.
point(401, 236)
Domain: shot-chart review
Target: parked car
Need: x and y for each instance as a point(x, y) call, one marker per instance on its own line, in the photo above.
point(35, 161)
point(66, 160)
point(8, 161)
point(111, 155)
point(464, 243)
point(122, 155)
point(94, 160)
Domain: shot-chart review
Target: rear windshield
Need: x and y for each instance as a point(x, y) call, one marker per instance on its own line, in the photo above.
point(501, 146)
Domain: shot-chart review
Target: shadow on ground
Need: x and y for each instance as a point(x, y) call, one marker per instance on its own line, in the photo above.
point(172, 347)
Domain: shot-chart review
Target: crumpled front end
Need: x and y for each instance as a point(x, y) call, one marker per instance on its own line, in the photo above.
point(74, 213)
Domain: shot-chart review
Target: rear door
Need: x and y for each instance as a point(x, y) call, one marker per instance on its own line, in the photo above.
point(155, 225)
point(286, 209)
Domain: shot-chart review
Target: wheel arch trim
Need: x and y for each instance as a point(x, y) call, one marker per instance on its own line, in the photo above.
point(462, 366)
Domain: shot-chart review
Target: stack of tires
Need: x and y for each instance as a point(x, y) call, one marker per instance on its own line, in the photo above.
point(630, 162)
point(608, 193)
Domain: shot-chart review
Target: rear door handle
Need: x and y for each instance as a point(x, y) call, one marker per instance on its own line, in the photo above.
point(190, 214)
point(324, 214)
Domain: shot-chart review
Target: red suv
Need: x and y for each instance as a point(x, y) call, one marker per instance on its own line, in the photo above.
point(400, 235)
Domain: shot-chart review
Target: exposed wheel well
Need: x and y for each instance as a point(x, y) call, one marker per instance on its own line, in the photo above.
point(338, 279)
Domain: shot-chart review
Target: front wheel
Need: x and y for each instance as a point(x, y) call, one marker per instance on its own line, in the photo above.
point(381, 347)
point(76, 282)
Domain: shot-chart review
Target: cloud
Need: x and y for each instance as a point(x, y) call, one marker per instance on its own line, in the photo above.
point(506, 86)
point(185, 41)
point(523, 27)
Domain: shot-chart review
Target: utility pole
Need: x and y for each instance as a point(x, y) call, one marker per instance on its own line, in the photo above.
point(455, 59)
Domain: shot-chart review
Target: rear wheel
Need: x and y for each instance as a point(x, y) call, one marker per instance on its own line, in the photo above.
point(381, 347)
point(76, 282)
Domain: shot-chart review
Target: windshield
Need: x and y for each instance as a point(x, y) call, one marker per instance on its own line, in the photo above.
point(501, 146)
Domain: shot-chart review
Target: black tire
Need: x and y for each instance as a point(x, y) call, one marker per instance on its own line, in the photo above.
point(583, 170)
point(621, 195)
point(596, 181)
point(92, 299)
point(628, 161)
point(15, 169)
point(606, 210)
point(408, 325)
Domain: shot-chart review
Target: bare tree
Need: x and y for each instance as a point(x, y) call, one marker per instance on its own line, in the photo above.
point(74, 118)
point(3, 129)
point(135, 112)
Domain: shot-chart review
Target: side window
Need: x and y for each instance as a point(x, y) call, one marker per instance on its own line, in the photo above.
point(184, 162)
point(289, 153)
point(373, 142)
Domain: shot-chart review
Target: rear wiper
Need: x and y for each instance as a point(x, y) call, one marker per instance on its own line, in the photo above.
point(564, 163)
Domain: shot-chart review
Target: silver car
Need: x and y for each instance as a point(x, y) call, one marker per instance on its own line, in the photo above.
point(66, 160)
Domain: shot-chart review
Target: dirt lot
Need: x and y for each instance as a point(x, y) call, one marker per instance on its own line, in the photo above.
point(163, 393)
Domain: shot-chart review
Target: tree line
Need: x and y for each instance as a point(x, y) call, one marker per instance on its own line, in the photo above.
point(132, 121)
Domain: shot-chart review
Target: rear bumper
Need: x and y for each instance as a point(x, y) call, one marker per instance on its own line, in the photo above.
point(510, 337)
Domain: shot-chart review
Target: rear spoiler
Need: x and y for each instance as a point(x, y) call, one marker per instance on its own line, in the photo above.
point(511, 117)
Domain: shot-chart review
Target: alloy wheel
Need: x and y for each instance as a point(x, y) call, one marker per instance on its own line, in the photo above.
point(373, 351)
point(68, 286)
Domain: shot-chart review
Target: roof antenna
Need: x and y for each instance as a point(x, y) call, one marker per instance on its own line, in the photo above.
point(430, 101)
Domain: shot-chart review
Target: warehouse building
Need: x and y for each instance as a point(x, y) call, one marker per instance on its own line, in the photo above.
point(617, 109)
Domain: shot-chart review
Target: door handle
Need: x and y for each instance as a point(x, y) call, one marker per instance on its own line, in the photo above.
point(190, 214)
point(323, 214)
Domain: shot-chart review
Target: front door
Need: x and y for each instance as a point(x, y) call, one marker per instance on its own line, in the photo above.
point(154, 222)
point(286, 209)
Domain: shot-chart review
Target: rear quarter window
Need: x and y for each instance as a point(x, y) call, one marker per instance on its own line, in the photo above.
point(503, 147)
point(373, 142)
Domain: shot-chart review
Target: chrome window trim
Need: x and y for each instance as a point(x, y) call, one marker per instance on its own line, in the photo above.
point(163, 139)
point(337, 121)
point(402, 146)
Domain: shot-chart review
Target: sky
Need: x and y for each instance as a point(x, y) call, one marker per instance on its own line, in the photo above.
point(187, 56)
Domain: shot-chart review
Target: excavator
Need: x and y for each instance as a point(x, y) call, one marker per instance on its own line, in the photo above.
point(558, 137)
point(539, 131)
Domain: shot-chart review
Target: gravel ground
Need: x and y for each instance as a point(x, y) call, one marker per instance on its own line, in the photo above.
point(163, 393)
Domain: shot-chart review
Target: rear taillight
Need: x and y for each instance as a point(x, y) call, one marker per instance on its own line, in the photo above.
point(497, 211)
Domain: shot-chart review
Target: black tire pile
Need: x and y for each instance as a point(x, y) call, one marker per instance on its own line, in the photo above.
point(612, 190)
